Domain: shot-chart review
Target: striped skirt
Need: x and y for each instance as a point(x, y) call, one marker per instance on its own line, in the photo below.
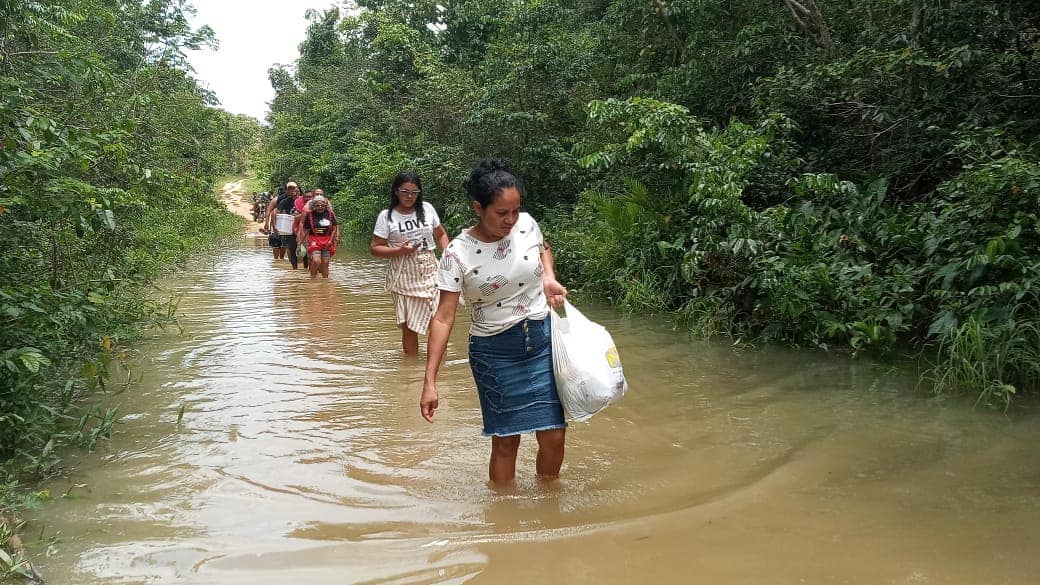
point(415, 312)
point(410, 281)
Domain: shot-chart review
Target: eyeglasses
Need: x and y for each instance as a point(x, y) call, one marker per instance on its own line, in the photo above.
point(409, 192)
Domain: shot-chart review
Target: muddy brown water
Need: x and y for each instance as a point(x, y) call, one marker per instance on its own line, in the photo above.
point(301, 458)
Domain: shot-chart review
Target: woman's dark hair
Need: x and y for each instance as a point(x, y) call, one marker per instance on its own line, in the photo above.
point(488, 179)
point(407, 176)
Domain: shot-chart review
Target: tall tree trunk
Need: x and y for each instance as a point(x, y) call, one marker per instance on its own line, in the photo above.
point(678, 47)
point(916, 24)
point(810, 20)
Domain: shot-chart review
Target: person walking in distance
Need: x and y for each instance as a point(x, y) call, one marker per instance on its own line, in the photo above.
point(301, 205)
point(274, 239)
point(320, 231)
point(505, 270)
point(287, 207)
point(407, 232)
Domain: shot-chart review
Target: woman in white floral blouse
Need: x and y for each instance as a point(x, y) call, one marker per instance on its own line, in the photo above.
point(504, 269)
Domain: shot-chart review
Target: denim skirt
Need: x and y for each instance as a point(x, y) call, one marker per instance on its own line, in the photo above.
point(514, 375)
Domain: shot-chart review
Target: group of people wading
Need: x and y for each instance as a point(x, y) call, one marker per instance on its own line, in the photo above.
point(504, 270)
point(302, 224)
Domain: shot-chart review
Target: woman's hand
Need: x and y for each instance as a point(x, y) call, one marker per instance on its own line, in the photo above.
point(429, 401)
point(406, 249)
point(555, 292)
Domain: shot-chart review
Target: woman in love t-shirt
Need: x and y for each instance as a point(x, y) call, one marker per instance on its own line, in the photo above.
point(406, 233)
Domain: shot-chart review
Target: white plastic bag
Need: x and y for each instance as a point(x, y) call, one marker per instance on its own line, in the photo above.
point(586, 364)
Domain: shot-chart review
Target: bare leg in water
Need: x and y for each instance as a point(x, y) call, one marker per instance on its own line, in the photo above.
point(409, 340)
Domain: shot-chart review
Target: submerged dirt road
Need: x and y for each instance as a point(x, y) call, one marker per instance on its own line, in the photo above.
point(277, 439)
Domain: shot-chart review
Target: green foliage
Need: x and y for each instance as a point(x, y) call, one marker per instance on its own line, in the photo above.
point(108, 151)
point(685, 230)
point(10, 565)
point(995, 360)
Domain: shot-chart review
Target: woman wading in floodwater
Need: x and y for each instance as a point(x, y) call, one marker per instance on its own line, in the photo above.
point(505, 270)
point(320, 232)
point(407, 232)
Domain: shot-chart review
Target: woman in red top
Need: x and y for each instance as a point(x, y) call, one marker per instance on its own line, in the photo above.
point(321, 232)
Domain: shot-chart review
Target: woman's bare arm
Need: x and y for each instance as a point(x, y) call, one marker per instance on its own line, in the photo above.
point(440, 329)
point(380, 248)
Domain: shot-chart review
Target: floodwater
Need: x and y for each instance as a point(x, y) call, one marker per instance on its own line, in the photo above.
point(301, 458)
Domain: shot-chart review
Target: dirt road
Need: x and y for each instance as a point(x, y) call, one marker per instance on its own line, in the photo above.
point(239, 201)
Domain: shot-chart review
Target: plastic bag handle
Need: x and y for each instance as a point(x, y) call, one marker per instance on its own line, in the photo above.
point(562, 311)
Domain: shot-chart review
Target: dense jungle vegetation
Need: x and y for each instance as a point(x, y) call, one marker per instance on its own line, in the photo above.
point(824, 173)
point(110, 150)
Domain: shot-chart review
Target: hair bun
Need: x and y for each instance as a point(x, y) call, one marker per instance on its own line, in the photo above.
point(488, 178)
point(495, 164)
